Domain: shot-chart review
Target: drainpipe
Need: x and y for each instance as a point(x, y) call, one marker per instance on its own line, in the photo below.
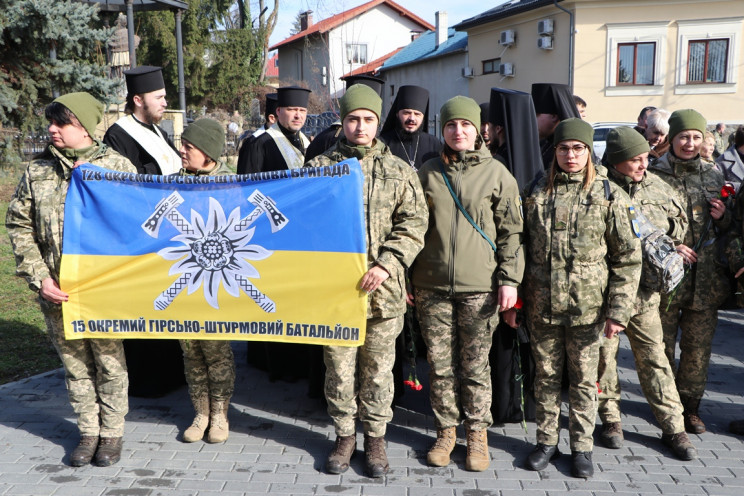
point(570, 42)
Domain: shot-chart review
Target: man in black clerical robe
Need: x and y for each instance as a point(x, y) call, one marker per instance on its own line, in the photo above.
point(137, 135)
point(406, 127)
point(553, 103)
point(283, 145)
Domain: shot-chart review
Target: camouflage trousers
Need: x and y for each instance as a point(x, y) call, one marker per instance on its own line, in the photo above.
point(578, 347)
point(645, 335)
point(209, 367)
point(695, 344)
point(458, 331)
point(95, 376)
point(359, 380)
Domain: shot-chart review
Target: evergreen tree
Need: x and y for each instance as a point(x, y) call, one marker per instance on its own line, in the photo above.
point(46, 49)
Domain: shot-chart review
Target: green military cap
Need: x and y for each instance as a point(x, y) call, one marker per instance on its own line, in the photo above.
point(681, 120)
point(574, 129)
point(360, 96)
point(86, 108)
point(208, 136)
point(624, 143)
point(461, 107)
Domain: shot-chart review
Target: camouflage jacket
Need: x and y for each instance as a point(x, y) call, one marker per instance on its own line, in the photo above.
point(655, 199)
point(583, 258)
point(396, 217)
point(37, 210)
point(455, 256)
point(220, 169)
point(694, 182)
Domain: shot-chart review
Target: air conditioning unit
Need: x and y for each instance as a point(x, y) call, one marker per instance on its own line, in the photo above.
point(467, 72)
point(545, 42)
point(508, 37)
point(545, 26)
point(507, 69)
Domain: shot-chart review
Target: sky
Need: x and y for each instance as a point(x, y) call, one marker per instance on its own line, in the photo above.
point(456, 11)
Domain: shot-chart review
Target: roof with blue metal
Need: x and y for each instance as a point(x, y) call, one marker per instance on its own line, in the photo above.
point(424, 48)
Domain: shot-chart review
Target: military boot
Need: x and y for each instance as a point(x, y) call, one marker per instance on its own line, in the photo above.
point(340, 456)
point(477, 459)
point(196, 430)
point(581, 464)
point(439, 454)
point(109, 451)
point(612, 435)
point(83, 454)
point(693, 423)
point(681, 445)
point(376, 457)
point(218, 424)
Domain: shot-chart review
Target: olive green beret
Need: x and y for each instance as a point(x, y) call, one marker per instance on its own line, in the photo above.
point(360, 96)
point(208, 136)
point(86, 108)
point(624, 143)
point(681, 120)
point(574, 129)
point(461, 107)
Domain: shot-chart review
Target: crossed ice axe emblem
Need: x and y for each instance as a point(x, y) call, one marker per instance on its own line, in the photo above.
point(167, 208)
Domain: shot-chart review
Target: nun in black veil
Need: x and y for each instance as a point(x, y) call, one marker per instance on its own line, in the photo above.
point(514, 142)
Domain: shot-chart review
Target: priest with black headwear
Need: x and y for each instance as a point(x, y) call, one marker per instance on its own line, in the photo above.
point(406, 128)
point(137, 135)
point(514, 140)
point(283, 145)
point(553, 103)
point(155, 367)
point(328, 137)
point(514, 134)
point(269, 120)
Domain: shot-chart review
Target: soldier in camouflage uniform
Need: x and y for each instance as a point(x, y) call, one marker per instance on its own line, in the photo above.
point(95, 369)
point(694, 306)
point(627, 157)
point(209, 365)
point(460, 282)
point(359, 381)
point(583, 265)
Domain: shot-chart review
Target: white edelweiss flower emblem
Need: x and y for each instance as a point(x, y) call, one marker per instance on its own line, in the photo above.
point(214, 253)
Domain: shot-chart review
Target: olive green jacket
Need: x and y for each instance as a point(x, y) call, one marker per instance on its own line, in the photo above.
point(456, 258)
point(694, 182)
point(583, 258)
point(395, 214)
point(37, 210)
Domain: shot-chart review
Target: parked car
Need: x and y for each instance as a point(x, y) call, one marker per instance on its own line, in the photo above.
point(600, 135)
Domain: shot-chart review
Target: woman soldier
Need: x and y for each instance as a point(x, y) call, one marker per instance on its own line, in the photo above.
point(583, 267)
point(359, 381)
point(95, 369)
point(693, 307)
point(465, 274)
point(209, 365)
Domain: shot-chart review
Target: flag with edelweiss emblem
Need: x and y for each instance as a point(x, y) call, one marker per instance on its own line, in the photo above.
point(272, 256)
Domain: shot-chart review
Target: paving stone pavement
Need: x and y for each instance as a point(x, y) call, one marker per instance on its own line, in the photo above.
point(279, 440)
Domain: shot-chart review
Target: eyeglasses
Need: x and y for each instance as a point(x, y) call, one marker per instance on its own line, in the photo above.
point(577, 150)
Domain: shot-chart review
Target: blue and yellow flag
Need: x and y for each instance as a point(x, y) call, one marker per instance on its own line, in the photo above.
point(272, 256)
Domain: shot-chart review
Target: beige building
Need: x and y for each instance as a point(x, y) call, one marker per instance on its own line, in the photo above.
point(618, 55)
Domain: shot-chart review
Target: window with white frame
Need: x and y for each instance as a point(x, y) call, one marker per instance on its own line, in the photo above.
point(708, 50)
point(356, 53)
point(636, 55)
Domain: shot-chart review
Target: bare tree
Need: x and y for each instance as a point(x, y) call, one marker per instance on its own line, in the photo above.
point(265, 28)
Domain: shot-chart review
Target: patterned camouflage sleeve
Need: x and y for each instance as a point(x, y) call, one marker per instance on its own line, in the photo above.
point(678, 221)
point(624, 260)
point(19, 221)
point(508, 219)
point(410, 220)
point(320, 161)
